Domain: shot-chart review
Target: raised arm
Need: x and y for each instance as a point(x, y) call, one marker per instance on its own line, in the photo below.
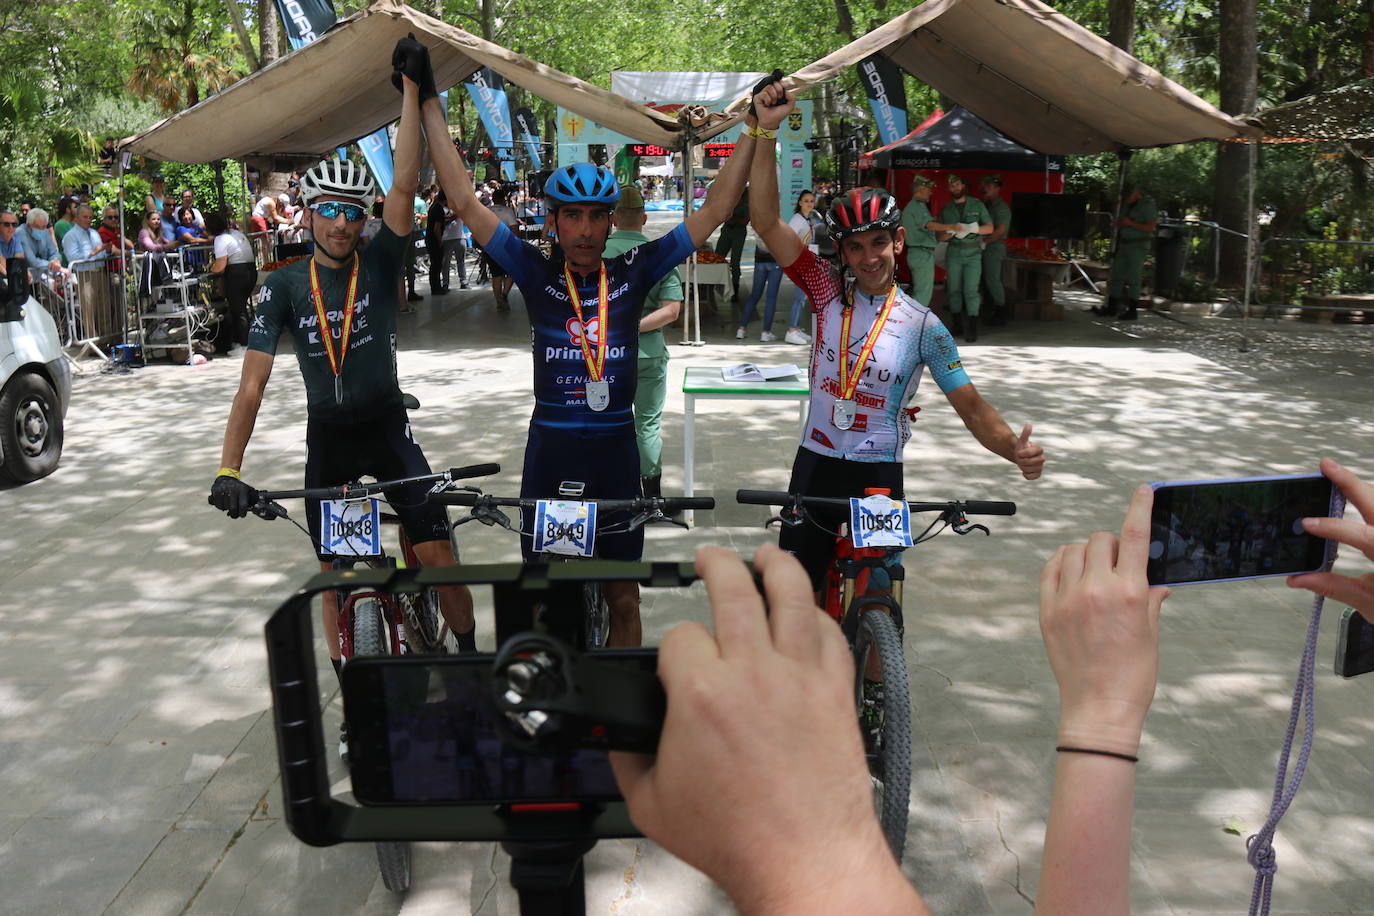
point(764, 208)
point(398, 211)
point(724, 193)
point(413, 69)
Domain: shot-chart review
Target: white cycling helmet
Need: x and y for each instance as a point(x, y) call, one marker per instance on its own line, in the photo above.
point(337, 178)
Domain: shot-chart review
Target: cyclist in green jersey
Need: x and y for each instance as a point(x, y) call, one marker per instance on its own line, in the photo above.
point(339, 308)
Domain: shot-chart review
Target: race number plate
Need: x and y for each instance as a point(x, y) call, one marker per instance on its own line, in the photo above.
point(879, 521)
point(351, 527)
point(564, 526)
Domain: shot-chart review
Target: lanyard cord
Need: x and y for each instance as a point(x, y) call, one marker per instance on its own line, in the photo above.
point(1260, 846)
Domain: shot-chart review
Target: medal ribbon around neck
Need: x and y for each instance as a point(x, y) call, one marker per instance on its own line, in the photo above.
point(596, 365)
point(327, 335)
point(849, 383)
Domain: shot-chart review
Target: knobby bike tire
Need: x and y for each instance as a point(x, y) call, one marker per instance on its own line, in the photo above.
point(370, 638)
point(369, 635)
point(596, 619)
point(889, 756)
point(393, 859)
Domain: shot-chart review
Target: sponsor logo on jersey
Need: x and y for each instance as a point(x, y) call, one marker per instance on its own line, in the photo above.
point(860, 423)
point(556, 353)
point(822, 438)
point(957, 364)
point(872, 401)
point(574, 329)
point(265, 295)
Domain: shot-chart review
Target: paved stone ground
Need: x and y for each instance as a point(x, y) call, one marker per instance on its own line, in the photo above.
point(137, 766)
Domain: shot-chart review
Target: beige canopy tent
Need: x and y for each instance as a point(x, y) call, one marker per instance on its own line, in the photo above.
point(338, 88)
point(1035, 75)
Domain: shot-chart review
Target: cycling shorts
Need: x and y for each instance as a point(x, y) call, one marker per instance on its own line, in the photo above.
point(822, 475)
point(609, 467)
point(382, 448)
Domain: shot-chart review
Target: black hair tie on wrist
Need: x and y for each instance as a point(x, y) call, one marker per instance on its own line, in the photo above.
point(1064, 749)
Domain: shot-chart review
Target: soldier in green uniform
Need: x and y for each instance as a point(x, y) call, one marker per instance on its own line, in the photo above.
point(995, 245)
point(920, 228)
point(661, 307)
point(1138, 222)
point(963, 257)
point(731, 239)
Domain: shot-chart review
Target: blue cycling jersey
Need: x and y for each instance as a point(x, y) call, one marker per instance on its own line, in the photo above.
point(560, 370)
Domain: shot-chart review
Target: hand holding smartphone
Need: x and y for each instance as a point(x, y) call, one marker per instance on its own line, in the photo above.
point(1246, 528)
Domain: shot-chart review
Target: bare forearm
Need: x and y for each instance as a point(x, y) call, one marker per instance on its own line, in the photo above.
point(763, 207)
point(724, 193)
point(665, 314)
point(453, 175)
point(243, 417)
point(1086, 865)
point(991, 431)
point(399, 209)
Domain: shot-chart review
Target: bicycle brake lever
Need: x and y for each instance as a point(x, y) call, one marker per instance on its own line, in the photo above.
point(961, 526)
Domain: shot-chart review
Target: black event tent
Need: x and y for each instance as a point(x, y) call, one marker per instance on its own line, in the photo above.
point(962, 140)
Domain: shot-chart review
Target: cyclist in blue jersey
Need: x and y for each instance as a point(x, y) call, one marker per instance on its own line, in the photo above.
point(584, 314)
point(872, 344)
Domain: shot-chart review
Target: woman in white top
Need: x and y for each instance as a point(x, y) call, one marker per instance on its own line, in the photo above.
point(803, 222)
point(234, 262)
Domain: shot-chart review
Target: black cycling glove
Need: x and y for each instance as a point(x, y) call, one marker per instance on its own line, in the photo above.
point(411, 58)
point(232, 496)
point(774, 77)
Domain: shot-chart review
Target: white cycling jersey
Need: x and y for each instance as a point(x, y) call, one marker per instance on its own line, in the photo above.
point(911, 339)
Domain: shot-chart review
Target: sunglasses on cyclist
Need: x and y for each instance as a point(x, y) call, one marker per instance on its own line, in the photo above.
point(330, 209)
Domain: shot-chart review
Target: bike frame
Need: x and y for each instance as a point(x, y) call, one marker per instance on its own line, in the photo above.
point(848, 577)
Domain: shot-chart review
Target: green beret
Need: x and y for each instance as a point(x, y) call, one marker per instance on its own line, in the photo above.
point(630, 199)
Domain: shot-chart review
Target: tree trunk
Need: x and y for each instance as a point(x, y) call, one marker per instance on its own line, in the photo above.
point(844, 19)
point(1238, 59)
point(1121, 24)
point(268, 49)
point(236, 20)
point(1367, 65)
point(488, 13)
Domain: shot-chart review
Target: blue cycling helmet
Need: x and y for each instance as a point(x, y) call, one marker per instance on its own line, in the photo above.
point(582, 183)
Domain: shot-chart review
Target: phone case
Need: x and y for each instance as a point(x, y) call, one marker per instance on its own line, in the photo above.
point(1336, 509)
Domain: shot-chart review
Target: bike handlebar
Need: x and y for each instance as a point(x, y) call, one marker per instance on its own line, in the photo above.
point(666, 504)
point(780, 498)
point(370, 489)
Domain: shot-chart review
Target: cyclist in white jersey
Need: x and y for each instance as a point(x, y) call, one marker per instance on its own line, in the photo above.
point(872, 344)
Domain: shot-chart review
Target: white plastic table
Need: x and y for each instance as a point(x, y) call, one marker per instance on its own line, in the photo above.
point(705, 383)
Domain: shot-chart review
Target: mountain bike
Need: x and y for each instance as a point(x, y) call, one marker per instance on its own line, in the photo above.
point(372, 620)
point(566, 529)
point(862, 591)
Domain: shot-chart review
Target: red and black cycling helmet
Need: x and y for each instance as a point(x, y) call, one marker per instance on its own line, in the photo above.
point(860, 210)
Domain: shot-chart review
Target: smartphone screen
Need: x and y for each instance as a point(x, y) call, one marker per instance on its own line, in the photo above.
point(423, 731)
point(1219, 530)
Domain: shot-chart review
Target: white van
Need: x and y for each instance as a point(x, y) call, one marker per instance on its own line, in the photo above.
point(35, 385)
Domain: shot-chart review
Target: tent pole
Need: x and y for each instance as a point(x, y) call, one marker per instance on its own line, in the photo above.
point(1250, 266)
point(693, 305)
point(126, 263)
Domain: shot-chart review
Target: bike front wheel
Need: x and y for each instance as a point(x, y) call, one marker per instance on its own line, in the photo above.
point(885, 721)
point(394, 861)
point(369, 629)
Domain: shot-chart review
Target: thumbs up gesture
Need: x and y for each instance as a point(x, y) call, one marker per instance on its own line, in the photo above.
point(1029, 457)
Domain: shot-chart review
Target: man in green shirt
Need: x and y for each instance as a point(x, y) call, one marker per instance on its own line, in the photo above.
point(921, 240)
point(339, 307)
point(661, 307)
point(995, 245)
point(1137, 225)
point(963, 257)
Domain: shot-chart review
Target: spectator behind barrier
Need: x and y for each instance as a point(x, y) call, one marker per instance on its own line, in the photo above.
point(40, 247)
